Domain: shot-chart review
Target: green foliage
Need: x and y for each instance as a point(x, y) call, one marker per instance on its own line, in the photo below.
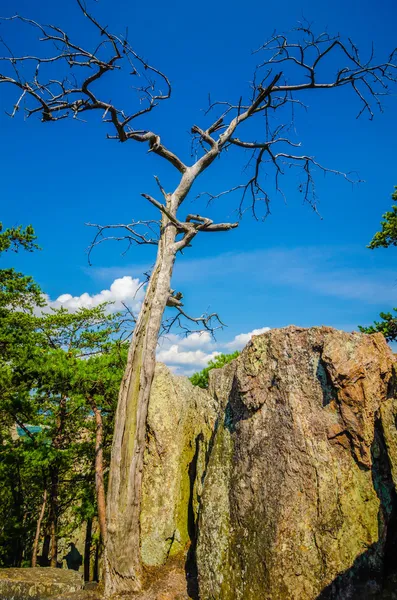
point(69, 363)
point(388, 326)
point(16, 238)
point(383, 239)
point(19, 468)
point(201, 378)
point(388, 234)
point(54, 366)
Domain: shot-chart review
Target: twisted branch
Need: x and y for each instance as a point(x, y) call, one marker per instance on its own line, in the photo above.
point(132, 237)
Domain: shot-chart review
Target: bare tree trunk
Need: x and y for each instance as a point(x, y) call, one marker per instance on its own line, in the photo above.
point(99, 483)
point(123, 571)
point(38, 529)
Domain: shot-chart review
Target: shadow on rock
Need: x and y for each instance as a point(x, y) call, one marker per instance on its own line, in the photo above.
point(373, 575)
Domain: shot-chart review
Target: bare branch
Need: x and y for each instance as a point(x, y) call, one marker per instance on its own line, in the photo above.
point(210, 322)
point(301, 54)
point(164, 210)
point(133, 235)
point(303, 57)
point(162, 190)
point(54, 99)
point(205, 224)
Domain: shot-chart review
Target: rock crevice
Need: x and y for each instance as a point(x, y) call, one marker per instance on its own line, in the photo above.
point(298, 498)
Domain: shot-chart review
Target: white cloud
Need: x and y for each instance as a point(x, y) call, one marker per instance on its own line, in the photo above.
point(186, 355)
point(124, 290)
point(197, 340)
point(175, 355)
point(183, 355)
point(190, 354)
point(241, 340)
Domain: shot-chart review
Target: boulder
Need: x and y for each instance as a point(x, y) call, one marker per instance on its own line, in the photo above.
point(181, 419)
point(299, 499)
point(38, 583)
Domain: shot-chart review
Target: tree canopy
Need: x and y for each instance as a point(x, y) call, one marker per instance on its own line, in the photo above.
point(384, 238)
point(387, 236)
point(201, 378)
point(56, 369)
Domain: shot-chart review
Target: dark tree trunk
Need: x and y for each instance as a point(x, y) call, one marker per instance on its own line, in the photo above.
point(99, 481)
point(54, 476)
point(54, 481)
point(38, 529)
point(44, 560)
point(87, 550)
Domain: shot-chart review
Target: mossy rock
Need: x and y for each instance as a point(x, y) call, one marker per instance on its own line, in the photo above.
point(38, 583)
point(299, 500)
point(181, 421)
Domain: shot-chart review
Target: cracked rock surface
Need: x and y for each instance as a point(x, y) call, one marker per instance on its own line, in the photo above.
point(299, 499)
point(180, 423)
point(38, 584)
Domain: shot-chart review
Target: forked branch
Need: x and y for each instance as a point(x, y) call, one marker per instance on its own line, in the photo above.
point(135, 233)
point(293, 63)
point(210, 322)
point(304, 59)
point(56, 97)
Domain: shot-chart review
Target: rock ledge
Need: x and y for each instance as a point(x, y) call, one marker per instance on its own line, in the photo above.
point(38, 583)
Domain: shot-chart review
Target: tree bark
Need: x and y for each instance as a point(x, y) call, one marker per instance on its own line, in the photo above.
point(99, 482)
point(123, 571)
point(38, 529)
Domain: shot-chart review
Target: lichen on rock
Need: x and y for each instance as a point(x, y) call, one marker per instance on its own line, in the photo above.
point(298, 496)
point(38, 584)
point(180, 423)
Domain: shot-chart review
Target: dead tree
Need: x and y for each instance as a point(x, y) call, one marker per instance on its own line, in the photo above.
point(291, 66)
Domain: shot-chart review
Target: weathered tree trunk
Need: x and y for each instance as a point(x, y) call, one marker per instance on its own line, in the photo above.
point(123, 570)
point(99, 483)
point(38, 529)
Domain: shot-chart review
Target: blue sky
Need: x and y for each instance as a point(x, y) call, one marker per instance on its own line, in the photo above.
point(294, 268)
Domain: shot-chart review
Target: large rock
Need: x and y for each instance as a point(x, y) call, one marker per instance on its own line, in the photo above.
point(298, 500)
point(180, 423)
point(38, 584)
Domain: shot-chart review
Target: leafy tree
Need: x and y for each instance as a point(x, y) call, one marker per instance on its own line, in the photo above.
point(388, 326)
point(384, 238)
point(201, 378)
point(16, 238)
point(59, 378)
point(97, 380)
point(68, 380)
point(19, 294)
point(292, 66)
point(387, 236)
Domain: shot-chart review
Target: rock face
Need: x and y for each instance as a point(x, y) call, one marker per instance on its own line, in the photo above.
point(180, 423)
point(38, 584)
point(299, 499)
